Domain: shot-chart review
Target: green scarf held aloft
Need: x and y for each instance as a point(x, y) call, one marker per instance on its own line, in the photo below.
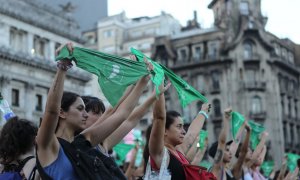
point(186, 93)
point(114, 73)
point(237, 121)
point(257, 129)
point(292, 161)
point(267, 168)
point(122, 150)
point(202, 138)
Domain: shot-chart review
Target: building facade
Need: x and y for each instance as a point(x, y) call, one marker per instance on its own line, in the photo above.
point(237, 63)
point(29, 34)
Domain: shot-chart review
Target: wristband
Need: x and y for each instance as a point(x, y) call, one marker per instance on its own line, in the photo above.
point(204, 114)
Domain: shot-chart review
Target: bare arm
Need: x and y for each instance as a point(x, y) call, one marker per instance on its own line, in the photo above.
point(98, 132)
point(156, 141)
point(192, 150)
point(130, 169)
point(237, 168)
point(47, 142)
point(218, 159)
point(199, 155)
point(193, 130)
point(258, 149)
point(110, 110)
point(129, 124)
point(292, 175)
point(282, 169)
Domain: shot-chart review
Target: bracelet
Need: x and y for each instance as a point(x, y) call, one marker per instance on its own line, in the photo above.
point(204, 114)
point(63, 66)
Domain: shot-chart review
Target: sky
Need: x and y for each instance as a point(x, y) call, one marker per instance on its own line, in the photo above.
point(282, 14)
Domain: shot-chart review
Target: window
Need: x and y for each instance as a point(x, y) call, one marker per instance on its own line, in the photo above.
point(282, 106)
point(277, 49)
point(292, 131)
point(290, 57)
point(39, 102)
point(183, 54)
point(296, 111)
point(212, 51)
point(251, 77)
point(285, 133)
point(17, 39)
point(284, 53)
point(201, 83)
point(289, 108)
point(217, 107)
point(256, 105)
point(15, 97)
point(108, 33)
point(215, 80)
point(244, 8)
point(248, 50)
point(197, 54)
point(39, 46)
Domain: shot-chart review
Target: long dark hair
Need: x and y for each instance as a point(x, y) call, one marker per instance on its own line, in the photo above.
point(67, 100)
point(17, 137)
point(170, 118)
point(93, 104)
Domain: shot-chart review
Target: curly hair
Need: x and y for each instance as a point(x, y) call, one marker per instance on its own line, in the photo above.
point(17, 137)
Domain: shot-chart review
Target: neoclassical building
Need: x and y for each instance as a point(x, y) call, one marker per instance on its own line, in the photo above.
point(238, 63)
point(29, 34)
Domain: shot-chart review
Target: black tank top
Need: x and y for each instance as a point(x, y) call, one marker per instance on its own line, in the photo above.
point(175, 168)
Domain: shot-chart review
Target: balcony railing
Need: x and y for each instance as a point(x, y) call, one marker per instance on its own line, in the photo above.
point(258, 86)
point(253, 57)
point(258, 115)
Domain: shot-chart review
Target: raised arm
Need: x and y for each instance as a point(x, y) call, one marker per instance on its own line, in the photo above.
point(199, 155)
point(129, 124)
point(156, 141)
point(282, 169)
point(98, 132)
point(130, 169)
point(194, 129)
point(258, 149)
point(47, 142)
point(237, 168)
point(190, 155)
point(110, 110)
point(218, 159)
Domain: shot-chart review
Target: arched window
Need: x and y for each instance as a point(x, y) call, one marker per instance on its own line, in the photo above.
point(217, 107)
point(248, 49)
point(256, 105)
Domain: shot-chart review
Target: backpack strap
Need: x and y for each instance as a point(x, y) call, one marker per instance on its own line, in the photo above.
point(40, 169)
point(23, 162)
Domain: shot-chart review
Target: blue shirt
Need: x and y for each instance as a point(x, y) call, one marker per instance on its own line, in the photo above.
point(61, 168)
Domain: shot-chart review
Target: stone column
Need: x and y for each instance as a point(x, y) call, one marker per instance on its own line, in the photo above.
point(29, 42)
point(4, 34)
point(29, 100)
point(51, 51)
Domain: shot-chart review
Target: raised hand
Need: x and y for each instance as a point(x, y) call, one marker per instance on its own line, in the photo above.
point(206, 107)
point(227, 113)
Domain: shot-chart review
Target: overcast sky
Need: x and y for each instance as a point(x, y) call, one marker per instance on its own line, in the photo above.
point(283, 14)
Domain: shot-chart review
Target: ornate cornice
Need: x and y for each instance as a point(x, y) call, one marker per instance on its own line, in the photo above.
point(42, 16)
point(40, 63)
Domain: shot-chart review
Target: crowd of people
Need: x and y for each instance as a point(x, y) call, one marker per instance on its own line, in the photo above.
point(77, 133)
